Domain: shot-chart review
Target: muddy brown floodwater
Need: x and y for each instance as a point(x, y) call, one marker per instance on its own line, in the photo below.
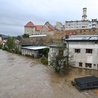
point(22, 77)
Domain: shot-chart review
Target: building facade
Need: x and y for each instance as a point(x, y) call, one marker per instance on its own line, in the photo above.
point(58, 50)
point(81, 24)
point(32, 29)
point(84, 49)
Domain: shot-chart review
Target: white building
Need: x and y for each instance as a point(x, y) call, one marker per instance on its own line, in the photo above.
point(81, 24)
point(84, 49)
point(58, 50)
point(33, 51)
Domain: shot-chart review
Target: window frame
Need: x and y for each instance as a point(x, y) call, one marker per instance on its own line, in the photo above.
point(77, 50)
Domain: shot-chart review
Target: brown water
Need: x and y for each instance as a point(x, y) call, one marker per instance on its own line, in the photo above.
point(22, 77)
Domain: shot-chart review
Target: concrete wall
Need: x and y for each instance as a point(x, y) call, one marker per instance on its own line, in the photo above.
point(29, 52)
point(84, 57)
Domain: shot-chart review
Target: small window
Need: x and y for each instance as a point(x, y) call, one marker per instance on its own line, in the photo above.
point(77, 50)
point(89, 50)
point(88, 65)
point(80, 64)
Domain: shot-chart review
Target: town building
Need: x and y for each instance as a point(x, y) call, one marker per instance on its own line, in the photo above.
point(32, 29)
point(59, 26)
point(81, 24)
point(59, 53)
point(84, 50)
point(34, 51)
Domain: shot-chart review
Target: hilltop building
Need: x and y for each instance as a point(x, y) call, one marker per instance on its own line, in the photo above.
point(32, 29)
point(81, 24)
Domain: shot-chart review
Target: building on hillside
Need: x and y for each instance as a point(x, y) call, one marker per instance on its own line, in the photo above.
point(48, 29)
point(81, 24)
point(84, 49)
point(93, 31)
point(59, 26)
point(32, 29)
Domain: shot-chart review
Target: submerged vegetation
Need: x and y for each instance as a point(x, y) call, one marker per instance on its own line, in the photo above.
point(11, 46)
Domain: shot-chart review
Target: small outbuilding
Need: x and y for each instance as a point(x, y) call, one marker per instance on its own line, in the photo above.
point(88, 82)
point(34, 51)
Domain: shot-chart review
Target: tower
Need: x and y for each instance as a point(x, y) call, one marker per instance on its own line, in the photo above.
point(84, 16)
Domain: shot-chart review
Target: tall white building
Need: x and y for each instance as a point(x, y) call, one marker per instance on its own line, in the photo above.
point(84, 50)
point(81, 24)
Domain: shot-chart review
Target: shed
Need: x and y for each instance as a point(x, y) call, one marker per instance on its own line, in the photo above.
point(33, 50)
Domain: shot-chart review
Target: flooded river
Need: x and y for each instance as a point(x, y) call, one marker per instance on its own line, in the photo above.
point(23, 77)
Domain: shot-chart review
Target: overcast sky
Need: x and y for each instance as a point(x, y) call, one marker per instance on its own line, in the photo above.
point(14, 14)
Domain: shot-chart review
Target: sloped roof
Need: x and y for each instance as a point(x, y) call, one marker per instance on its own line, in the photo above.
point(38, 27)
point(29, 24)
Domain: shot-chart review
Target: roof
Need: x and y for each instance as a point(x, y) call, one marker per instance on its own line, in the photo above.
point(29, 24)
point(38, 27)
point(58, 46)
point(87, 79)
point(82, 38)
point(34, 47)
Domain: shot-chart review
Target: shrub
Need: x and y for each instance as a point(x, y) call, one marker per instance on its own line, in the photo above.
point(44, 60)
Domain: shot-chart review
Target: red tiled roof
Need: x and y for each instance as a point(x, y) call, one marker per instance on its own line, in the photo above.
point(29, 24)
point(38, 27)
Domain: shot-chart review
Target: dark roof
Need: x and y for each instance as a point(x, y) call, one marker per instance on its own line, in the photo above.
point(82, 38)
point(87, 79)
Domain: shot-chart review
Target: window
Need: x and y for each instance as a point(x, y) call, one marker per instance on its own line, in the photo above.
point(89, 50)
point(77, 50)
point(80, 64)
point(88, 65)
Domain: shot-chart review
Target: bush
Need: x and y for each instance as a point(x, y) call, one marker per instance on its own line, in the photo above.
point(44, 60)
point(73, 83)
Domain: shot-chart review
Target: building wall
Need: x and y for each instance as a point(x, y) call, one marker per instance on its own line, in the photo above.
point(29, 30)
point(87, 31)
point(53, 52)
point(73, 25)
point(59, 26)
point(82, 56)
point(29, 52)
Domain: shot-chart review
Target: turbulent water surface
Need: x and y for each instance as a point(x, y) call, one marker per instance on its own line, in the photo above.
point(22, 77)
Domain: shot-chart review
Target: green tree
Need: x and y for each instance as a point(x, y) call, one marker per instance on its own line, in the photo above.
point(11, 43)
point(26, 36)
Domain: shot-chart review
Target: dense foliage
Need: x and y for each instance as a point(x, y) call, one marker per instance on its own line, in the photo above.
point(25, 36)
point(11, 46)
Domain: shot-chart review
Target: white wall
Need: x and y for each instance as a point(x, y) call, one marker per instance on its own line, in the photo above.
point(83, 56)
